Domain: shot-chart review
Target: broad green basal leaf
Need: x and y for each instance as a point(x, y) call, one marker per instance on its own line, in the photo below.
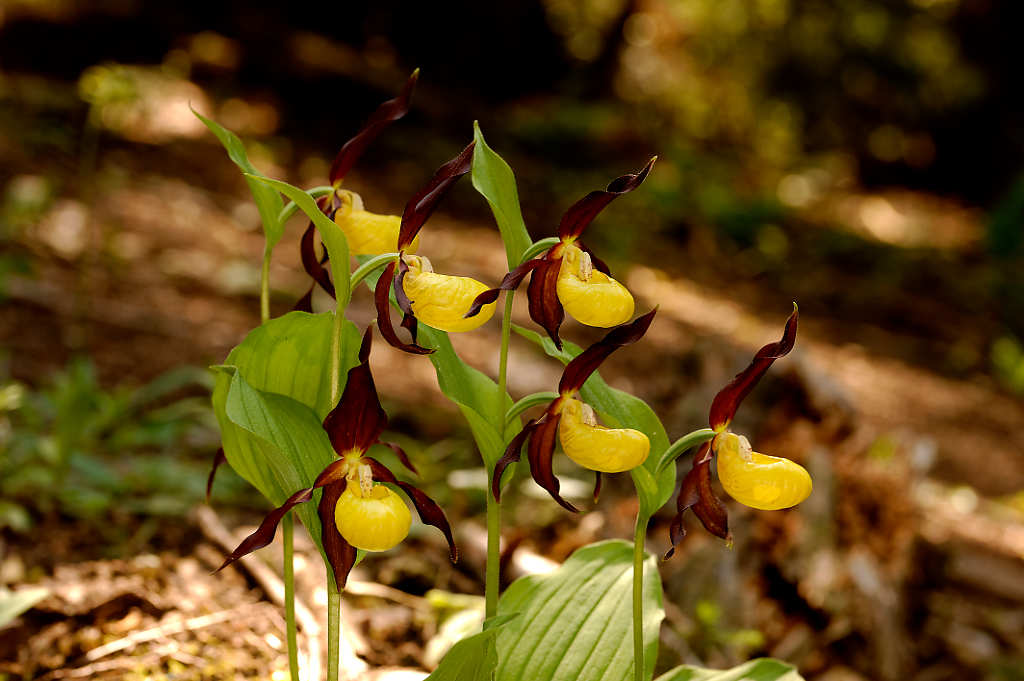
point(474, 657)
point(493, 178)
point(575, 623)
point(626, 411)
point(268, 201)
point(755, 670)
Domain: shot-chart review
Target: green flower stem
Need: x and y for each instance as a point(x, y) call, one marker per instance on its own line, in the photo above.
point(527, 402)
point(368, 267)
point(290, 208)
point(287, 535)
point(697, 437)
point(639, 535)
point(491, 582)
point(333, 629)
point(265, 285)
point(538, 247)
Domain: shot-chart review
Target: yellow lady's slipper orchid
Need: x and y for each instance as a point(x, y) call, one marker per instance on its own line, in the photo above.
point(376, 521)
point(441, 300)
point(368, 233)
point(354, 511)
point(589, 295)
point(757, 480)
point(606, 450)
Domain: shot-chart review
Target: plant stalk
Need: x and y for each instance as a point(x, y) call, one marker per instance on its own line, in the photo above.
point(639, 535)
point(492, 578)
point(265, 285)
point(333, 630)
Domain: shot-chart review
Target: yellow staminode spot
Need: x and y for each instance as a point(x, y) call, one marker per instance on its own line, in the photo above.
point(368, 233)
point(376, 521)
point(441, 300)
point(590, 296)
point(608, 450)
point(758, 480)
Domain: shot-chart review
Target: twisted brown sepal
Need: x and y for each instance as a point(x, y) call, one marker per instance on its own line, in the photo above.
point(509, 282)
point(313, 265)
point(540, 450)
point(218, 459)
point(597, 485)
point(383, 305)
point(430, 512)
point(724, 406)
point(358, 419)
point(402, 456)
point(542, 296)
point(422, 204)
point(696, 494)
point(511, 455)
point(583, 212)
point(340, 554)
point(387, 113)
point(409, 322)
point(264, 534)
point(305, 303)
point(586, 363)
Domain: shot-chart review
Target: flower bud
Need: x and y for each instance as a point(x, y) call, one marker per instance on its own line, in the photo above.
point(376, 521)
point(441, 300)
point(590, 296)
point(758, 480)
point(608, 450)
point(368, 233)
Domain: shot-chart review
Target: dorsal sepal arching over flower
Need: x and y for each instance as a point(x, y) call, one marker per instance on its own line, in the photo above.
point(358, 509)
point(604, 450)
point(753, 479)
point(568, 277)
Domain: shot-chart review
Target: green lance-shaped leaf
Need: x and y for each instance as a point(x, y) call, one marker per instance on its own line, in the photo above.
point(474, 657)
point(330, 233)
point(268, 201)
point(623, 411)
point(493, 178)
point(575, 623)
point(764, 669)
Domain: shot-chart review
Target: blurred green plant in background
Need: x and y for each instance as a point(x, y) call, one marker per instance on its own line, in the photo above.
point(77, 449)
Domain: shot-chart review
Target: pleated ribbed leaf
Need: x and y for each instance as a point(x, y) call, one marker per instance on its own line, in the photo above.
point(575, 624)
point(755, 670)
point(621, 410)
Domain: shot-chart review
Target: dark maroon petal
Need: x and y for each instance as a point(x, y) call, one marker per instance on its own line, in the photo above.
point(264, 534)
point(422, 204)
point(430, 512)
point(540, 450)
point(358, 419)
point(586, 209)
point(311, 263)
point(333, 472)
point(724, 406)
point(511, 455)
point(696, 494)
point(305, 303)
point(386, 113)
point(402, 456)
point(599, 265)
point(404, 303)
point(542, 296)
point(340, 554)
point(584, 364)
point(382, 301)
point(218, 459)
point(597, 485)
point(509, 282)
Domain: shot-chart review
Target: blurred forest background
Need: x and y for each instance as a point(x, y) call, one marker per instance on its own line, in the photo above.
point(862, 157)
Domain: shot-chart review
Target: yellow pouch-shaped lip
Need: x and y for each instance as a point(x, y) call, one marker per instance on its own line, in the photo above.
point(590, 296)
point(608, 450)
point(376, 522)
point(368, 233)
point(442, 300)
point(757, 480)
